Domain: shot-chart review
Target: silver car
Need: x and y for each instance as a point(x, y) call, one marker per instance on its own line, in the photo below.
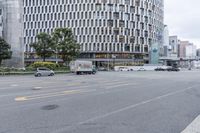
point(44, 72)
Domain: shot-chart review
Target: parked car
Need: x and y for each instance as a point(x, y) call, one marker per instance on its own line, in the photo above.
point(141, 69)
point(102, 69)
point(44, 72)
point(123, 69)
point(173, 69)
point(131, 69)
point(160, 69)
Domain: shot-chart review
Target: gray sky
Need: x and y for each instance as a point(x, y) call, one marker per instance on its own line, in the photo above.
point(183, 19)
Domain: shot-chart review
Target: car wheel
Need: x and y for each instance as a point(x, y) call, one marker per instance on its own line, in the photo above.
point(51, 74)
point(39, 75)
point(93, 72)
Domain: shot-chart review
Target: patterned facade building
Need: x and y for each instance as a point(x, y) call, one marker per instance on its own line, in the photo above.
point(105, 29)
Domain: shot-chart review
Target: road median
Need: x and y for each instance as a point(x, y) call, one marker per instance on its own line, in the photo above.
point(28, 73)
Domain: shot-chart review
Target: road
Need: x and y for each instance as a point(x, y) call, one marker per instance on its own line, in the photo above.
point(108, 102)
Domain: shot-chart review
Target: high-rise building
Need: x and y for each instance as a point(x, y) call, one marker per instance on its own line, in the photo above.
point(187, 49)
point(198, 52)
point(173, 46)
point(11, 27)
point(182, 48)
point(1, 18)
point(165, 48)
point(106, 29)
point(191, 51)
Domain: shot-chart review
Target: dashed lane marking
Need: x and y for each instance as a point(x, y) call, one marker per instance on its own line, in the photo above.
point(47, 95)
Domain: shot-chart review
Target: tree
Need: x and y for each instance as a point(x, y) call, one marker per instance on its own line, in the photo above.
point(5, 50)
point(66, 45)
point(43, 46)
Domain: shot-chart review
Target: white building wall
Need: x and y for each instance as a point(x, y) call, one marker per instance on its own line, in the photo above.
point(191, 51)
point(166, 36)
point(99, 25)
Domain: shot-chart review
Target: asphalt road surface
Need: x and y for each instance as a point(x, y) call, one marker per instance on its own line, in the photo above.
point(108, 102)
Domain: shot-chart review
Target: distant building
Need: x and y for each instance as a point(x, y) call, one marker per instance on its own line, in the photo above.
point(186, 50)
point(173, 46)
point(190, 51)
point(165, 52)
point(198, 52)
point(182, 48)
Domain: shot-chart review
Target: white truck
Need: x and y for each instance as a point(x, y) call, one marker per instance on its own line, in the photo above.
point(82, 67)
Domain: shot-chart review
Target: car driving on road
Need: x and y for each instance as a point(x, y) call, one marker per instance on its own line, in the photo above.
point(173, 69)
point(44, 72)
point(160, 69)
point(141, 69)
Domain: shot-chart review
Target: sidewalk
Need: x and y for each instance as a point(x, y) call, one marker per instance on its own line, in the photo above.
point(194, 127)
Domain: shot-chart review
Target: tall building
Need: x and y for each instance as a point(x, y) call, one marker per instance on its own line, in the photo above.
point(12, 30)
point(1, 18)
point(182, 48)
point(191, 51)
point(123, 30)
point(173, 46)
point(165, 52)
point(187, 50)
point(198, 52)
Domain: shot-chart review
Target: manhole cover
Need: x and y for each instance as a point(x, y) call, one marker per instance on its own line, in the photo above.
point(50, 107)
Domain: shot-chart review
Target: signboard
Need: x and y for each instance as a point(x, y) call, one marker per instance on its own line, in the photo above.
point(154, 54)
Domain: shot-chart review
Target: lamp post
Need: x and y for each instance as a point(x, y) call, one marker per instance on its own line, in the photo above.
point(113, 57)
point(190, 63)
point(108, 59)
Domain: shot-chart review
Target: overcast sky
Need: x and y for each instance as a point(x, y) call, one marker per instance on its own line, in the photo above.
point(183, 19)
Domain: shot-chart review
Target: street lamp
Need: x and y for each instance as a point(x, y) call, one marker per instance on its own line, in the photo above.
point(108, 58)
point(113, 57)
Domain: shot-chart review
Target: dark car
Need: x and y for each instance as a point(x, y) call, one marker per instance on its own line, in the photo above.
point(173, 69)
point(160, 69)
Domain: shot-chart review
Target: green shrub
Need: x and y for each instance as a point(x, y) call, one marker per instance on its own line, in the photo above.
point(49, 65)
point(30, 68)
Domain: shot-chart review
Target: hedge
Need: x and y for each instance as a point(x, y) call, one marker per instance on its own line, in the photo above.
point(49, 65)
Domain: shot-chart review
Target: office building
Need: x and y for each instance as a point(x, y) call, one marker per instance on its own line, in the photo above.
point(165, 48)
point(191, 51)
point(123, 30)
point(173, 46)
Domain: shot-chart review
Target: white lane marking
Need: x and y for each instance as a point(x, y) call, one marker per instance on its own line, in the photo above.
point(117, 85)
point(124, 109)
point(37, 88)
point(14, 85)
point(194, 127)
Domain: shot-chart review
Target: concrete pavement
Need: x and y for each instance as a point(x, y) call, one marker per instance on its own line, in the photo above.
point(109, 102)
